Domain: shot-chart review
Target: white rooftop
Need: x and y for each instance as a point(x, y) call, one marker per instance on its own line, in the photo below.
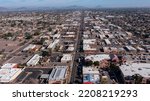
point(136, 68)
point(54, 43)
point(56, 36)
point(90, 70)
point(66, 57)
point(31, 46)
point(7, 75)
point(34, 60)
point(89, 41)
point(130, 48)
point(88, 47)
point(9, 65)
point(70, 48)
point(107, 41)
point(58, 73)
point(98, 57)
point(69, 36)
point(70, 33)
point(85, 35)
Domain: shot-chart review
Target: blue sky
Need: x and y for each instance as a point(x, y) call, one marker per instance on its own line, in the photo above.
point(88, 3)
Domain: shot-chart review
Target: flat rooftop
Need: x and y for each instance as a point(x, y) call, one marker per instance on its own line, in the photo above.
point(91, 78)
point(8, 75)
point(136, 68)
point(89, 41)
point(58, 73)
point(66, 57)
point(90, 70)
point(9, 65)
point(98, 57)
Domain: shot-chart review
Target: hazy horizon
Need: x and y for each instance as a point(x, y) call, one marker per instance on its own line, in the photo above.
point(85, 3)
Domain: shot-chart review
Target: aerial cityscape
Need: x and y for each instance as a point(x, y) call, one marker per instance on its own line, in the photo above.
point(74, 44)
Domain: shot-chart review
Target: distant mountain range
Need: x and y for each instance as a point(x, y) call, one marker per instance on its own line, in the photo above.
point(49, 8)
point(74, 7)
point(3, 8)
point(41, 8)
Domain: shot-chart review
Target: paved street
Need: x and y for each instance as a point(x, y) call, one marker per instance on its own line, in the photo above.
point(77, 49)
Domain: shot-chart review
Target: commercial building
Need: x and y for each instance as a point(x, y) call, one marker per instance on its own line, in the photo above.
point(53, 44)
point(8, 75)
point(89, 45)
point(89, 41)
point(91, 75)
point(30, 47)
point(140, 49)
point(34, 60)
point(70, 36)
point(98, 57)
point(70, 33)
point(107, 42)
point(110, 49)
point(9, 66)
point(70, 48)
point(58, 75)
point(56, 36)
point(66, 58)
point(130, 69)
point(130, 49)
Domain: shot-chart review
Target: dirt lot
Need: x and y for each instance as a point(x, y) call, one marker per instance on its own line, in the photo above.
point(7, 46)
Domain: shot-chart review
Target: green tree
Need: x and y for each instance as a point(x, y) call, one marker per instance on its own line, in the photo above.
point(88, 63)
point(28, 36)
point(50, 29)
point(45, 53)
point(96, 63)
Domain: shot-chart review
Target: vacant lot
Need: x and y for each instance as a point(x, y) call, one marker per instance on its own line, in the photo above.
point(7, 46)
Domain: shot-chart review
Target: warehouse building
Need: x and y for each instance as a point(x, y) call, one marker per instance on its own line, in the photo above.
point(34, 60)
point(58, 75)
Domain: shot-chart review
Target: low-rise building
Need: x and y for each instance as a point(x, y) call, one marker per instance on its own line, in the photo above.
point(98, 57)
point(53, 45)
point(130, 69)
point(70, 48)
point(107, 42)
point(58, 75)
point(91, 75)
point(30, 47)
point(89, 45)
point(130, 49)
point(8, 75)
point(69, 36)
point(140, 49)
point(66, 58)
point(9, 65)
point(34, 60)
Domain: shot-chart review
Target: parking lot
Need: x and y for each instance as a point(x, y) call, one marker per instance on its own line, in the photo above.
point(32, 75)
